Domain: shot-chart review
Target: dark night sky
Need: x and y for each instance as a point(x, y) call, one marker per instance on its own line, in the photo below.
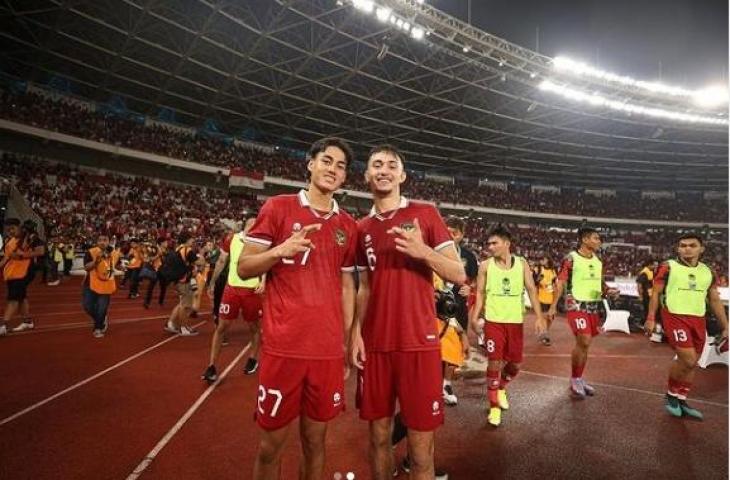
point(688, 37)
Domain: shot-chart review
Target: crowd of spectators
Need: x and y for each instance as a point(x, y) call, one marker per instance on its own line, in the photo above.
point(77, 204)
point(74, 119)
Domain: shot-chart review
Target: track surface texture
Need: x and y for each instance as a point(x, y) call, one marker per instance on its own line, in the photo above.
point(76, 407)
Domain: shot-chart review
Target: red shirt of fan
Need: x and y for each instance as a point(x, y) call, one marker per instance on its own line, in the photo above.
point(303, 299)
point(401, 311)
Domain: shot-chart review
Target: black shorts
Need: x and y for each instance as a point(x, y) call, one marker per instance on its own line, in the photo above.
point(17, 289)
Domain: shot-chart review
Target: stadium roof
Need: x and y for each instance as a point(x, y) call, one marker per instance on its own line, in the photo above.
point(458, 102)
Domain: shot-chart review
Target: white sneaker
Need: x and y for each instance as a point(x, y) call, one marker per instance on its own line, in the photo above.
point(187, 332)
point(169, 327)
point(3, 330)
point(449, 395)
point(98, 333)
point(54, 284)
point(23, 327)
point(656, 337)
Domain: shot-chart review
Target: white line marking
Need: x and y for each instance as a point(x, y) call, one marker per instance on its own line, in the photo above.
point(88, 324)
point(620, 387)
point(150, 457)
point(90, 379)
point(566, 355)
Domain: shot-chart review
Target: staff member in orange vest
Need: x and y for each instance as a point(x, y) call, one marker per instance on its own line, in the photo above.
point(21, 248)
point(99, 284)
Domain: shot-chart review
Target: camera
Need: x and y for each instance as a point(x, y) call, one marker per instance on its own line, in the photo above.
point(445, 305)
point(109, 249)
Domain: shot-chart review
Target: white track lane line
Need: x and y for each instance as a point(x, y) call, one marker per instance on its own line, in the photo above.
point(90, 379)
point(621, 387)
point(88, 324)
point(150, 457)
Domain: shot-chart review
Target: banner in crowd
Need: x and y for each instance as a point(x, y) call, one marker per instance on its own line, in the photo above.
point(239, 177)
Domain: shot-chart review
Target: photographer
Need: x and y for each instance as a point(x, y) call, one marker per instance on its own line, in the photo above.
point(177, 267)
point(99, 284)
point(21, 249)
point(453, 338)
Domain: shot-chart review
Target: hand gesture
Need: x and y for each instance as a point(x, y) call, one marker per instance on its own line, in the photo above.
point(551, 312)
point(297, 242)
point(357, 352)
point(540, 325)
point(465, 290)
point(410, 241)
point(649, 325)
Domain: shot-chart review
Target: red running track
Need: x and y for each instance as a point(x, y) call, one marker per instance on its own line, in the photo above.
point(73, 406)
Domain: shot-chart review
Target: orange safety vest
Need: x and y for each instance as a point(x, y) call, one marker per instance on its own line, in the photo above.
point(136, 260)
point(101, 278)
point(15, 268)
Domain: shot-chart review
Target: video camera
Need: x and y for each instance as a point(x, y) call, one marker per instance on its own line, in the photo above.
point(445, 305)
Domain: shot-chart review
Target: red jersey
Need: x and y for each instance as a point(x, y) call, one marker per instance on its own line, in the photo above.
point(303, 301)
point(401, 309)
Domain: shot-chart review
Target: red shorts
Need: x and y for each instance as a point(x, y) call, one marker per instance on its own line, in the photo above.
point(241, 299)
point(290, 387)
point(504, 341)
point(684, 331)
point(415, 379)
point(584, 323)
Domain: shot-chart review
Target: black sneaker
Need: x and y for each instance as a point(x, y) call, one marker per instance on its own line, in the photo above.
point(545, 341)
point(440, 475)
point(251, 366)
point(146, 305)
point(210, 375)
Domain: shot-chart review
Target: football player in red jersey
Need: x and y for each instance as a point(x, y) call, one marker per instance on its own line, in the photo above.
point(307, 244)
point(394, 341)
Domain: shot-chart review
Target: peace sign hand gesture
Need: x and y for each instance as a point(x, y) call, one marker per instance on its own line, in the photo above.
point(297, 242)
point(410, 241)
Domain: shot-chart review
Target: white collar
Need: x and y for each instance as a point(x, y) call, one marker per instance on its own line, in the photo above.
point(402, 204)
point(304, 202)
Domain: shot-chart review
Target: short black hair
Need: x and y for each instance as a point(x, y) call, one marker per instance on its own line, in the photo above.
point(500, 231)
point(388, 148)
point(183, 237)
point(648, 262)
point(585, 232)
point(456, 223)
point(691, 236)
point(10, 222)
point(160, 240)
point(321, 145)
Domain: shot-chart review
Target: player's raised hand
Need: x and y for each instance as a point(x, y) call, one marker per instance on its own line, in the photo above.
point(410, 241)
point(297, 242)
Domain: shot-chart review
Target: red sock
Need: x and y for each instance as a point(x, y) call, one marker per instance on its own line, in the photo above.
point(577, 370)
point(673, 387)
point(492, 387)
point(683, 389)
point(509, 372)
